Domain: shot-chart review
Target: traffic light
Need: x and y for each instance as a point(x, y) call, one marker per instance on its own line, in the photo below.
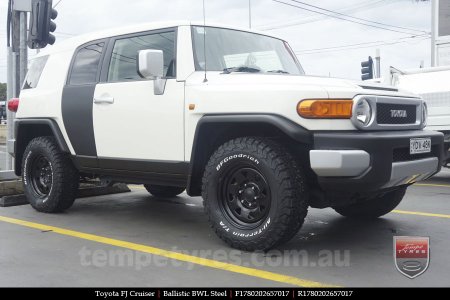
point(367, 69)
point(41, 24)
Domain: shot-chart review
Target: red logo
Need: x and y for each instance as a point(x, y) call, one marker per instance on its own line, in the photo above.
point(411, 255)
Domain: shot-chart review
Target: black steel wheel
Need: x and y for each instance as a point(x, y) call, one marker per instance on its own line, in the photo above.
point(245, 196)
point(41, 176)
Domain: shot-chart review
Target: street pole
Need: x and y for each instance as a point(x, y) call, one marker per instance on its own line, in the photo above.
point(250, 14)
point(23, 49)
point(378, 63)
point(17, 66)
point(9, 95)
point(434, 10)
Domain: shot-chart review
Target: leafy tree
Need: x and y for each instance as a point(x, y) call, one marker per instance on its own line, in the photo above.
point(2, 91)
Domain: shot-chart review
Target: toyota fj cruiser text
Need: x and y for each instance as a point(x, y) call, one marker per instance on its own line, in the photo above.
point(252, 134)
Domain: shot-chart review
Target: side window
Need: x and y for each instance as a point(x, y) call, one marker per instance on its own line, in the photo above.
point(124, 55)
point(85, 66)
point(34, 73)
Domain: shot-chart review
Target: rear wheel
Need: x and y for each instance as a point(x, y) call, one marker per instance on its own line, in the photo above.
point(164, 191)
point(254, 194)
point(49, 177)
point(374, 207)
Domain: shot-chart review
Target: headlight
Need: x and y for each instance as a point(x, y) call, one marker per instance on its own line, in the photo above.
point(363, 112)
point(424, 115)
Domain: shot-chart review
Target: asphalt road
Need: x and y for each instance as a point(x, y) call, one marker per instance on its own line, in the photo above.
point(339, 251)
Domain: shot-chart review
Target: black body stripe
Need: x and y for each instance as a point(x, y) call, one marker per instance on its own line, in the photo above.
point(76, 109)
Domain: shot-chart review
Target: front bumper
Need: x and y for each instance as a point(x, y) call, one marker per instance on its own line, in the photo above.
point(372, 161)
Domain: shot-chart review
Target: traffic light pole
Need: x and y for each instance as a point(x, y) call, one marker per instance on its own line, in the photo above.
point(42, 15)
point(23, 49)
point(9, 95)
point(17, 66)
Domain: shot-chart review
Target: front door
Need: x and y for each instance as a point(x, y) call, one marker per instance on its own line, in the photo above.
point(134, 128)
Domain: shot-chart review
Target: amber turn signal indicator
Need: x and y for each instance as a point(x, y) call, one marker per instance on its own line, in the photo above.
point(325, 109)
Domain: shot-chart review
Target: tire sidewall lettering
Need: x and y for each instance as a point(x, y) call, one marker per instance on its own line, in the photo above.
point(25, 168)
point(230, 158)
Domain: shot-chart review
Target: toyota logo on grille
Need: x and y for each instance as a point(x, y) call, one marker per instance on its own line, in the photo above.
point(397, 113)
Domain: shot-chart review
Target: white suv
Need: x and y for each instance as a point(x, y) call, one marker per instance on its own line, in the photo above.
point(224, 113)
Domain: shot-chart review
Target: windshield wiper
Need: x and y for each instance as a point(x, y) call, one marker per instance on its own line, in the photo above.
point(278, 71)
point(241, 69)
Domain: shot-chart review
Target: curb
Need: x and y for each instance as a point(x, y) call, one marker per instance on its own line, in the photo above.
point(11, 192)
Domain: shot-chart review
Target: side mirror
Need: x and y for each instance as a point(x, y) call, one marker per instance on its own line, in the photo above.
point(150, 64)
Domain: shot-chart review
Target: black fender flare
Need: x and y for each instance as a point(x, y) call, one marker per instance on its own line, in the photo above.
point(22, 138)
point(293, 130)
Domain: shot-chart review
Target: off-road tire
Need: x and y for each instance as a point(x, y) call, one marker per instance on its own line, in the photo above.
point(374, 207)
point(64, 176)
point(164, 191)
point(284, 179)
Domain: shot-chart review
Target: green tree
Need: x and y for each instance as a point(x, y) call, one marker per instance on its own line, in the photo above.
point(2, 91)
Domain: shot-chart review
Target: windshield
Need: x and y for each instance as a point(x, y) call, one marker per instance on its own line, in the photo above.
point(239, 51)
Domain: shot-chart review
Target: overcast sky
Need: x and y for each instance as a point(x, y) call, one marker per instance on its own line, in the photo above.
point(304, 30)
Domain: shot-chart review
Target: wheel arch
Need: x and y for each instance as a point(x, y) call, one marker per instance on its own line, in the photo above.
point(28, 129)
point(214, 130)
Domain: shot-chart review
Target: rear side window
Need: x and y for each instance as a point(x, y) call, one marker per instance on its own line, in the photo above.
point(124, 55)
point(86, 63)
point(34, 73)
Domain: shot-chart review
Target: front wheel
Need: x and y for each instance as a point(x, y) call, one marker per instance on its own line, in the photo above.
point(254, 194)
point(50, 180)
point(373, 207)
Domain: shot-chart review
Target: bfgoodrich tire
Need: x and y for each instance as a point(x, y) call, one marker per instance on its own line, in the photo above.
point(373, 207)
point(254, 194)
point(164, 191)
point(50, 180)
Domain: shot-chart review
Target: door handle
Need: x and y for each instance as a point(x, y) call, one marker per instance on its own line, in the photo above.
point(104, 100)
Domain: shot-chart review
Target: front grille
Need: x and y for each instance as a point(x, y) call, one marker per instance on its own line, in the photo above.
point(396, 113)
point(402, 154)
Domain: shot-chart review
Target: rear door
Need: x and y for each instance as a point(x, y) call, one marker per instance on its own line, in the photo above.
point(77, 98)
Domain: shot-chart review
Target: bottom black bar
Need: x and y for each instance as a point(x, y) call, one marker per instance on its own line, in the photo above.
point(219, 293)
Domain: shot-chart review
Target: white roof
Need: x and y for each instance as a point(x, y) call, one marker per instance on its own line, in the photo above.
point(76, 41)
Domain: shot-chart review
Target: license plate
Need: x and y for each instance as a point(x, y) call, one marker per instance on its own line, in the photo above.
point(422, 145)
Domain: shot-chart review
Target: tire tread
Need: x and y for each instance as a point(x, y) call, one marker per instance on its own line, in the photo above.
point(292, 195)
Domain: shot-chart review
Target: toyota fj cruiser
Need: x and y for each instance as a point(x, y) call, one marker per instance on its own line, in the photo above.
point(224, 113)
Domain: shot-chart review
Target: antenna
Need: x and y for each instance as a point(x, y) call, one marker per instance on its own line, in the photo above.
point(204, 38)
